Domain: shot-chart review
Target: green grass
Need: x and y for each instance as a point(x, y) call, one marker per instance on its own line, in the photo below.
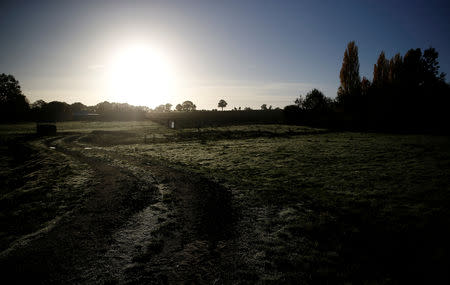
point(22, 128)
point(342, 164)
point(82, 126)
point(313, 205)
point(356, 204)
point(38, 187)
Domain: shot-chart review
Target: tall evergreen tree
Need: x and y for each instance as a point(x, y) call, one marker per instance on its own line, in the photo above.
point(349, 75)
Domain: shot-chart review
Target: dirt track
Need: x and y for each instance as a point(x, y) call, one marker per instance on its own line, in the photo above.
point(143, 222)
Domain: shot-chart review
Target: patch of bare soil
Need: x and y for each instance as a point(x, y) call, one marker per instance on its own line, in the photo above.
point(143, 223)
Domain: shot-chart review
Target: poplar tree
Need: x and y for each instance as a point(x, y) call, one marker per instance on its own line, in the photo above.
point(365, 86)
point(395, 69)
point(381, 71)
point(349, 75)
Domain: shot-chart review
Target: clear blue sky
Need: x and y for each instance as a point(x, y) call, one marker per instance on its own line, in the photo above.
point(246, 52)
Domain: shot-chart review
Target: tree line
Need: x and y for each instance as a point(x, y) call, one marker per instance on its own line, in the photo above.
point(42, 111)
point(407, 93)
point(14, 107)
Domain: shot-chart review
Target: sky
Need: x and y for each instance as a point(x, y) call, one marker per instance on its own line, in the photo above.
point(246, 52)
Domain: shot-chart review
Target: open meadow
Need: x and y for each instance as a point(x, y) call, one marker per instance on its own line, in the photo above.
point(136, 202)
point(224, 142)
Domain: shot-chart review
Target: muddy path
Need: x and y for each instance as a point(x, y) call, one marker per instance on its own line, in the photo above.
point(143, 222)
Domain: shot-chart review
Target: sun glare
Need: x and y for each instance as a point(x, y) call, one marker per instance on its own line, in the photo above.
point(140, 75)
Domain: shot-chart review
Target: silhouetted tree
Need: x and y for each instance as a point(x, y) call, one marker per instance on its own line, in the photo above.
point(395, 69)
point(300, 101)
point(36, 110)
point(381, 72)
point(412, 68)
point(188, 106)
point(56, 111)
point(294, 114)
point(160, 108)
point(408, 92)
point(38, 104)
point(349, 75)
point(77, 107)
point(167, 107)
point(431, 67)
point(316, 101)
point(264, 107)
point(103, 107)
point(13, 104)
point(178, 107)
point(119, 111)
point(222, 104)
point(436, 92)
point(365, 86)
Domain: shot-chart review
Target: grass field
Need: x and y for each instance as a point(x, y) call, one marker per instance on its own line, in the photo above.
point(310, 205)
point(82, 126)
point(359, 205)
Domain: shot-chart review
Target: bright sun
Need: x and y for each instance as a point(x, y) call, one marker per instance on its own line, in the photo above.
point(140, 75)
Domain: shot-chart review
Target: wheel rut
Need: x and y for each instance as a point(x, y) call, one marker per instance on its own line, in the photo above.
point(143, 222)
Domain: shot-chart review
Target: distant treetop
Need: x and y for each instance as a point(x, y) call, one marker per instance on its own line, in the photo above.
point(222, 104)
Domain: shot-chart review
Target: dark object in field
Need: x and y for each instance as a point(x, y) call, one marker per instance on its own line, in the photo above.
point(45, 129)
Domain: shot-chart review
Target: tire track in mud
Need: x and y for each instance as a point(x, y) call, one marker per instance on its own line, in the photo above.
point(180, 237)
point(227, 245)
point(192, 222)
point(177, 232)
point(75, 243)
